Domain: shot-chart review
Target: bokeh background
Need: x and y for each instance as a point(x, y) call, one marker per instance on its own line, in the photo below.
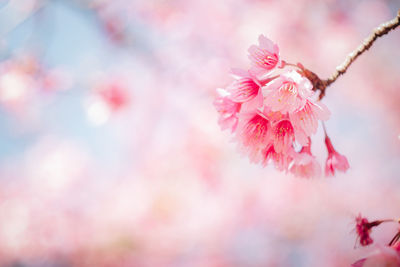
point(110, 152)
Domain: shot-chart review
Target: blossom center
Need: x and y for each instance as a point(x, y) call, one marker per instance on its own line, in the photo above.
point(289, 88)
point(257, 128)
point(283, 128)
point(265, 59)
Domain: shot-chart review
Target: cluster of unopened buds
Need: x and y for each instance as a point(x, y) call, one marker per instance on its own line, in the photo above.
point(273, 110)
point(388, 255)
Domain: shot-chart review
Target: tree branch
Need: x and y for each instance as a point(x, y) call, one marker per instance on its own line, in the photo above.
point(379, 31)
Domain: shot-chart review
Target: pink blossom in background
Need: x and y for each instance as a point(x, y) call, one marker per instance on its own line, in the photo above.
point(109, 97)
point(112, 153)
point(388, 255)
point(363, 229)
point(114, 95)
point(382, 256)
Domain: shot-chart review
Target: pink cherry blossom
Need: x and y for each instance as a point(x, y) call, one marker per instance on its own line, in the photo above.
point(272, 114)
point(307, 118)
point(305, 164)
point(334, 160)
point(363, 229)
point(244, 88)
point(288, 92)
point(264, 57)
point(359, 263)
point(301, 137)
point(253, 105)
point(283, 136)
point(382, 256)
point(253, 134)
point(227, 110)
point(280, 160)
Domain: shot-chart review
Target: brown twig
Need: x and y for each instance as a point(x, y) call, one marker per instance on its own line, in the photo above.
point(379, 31)
point(394, 239)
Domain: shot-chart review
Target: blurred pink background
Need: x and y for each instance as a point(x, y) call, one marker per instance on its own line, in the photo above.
point(110, 152)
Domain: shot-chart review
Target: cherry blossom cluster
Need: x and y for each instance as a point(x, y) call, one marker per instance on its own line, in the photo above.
point(384, 255)
point(272, 111)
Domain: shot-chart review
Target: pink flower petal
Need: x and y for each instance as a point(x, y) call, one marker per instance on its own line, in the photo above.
point(264, 57)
